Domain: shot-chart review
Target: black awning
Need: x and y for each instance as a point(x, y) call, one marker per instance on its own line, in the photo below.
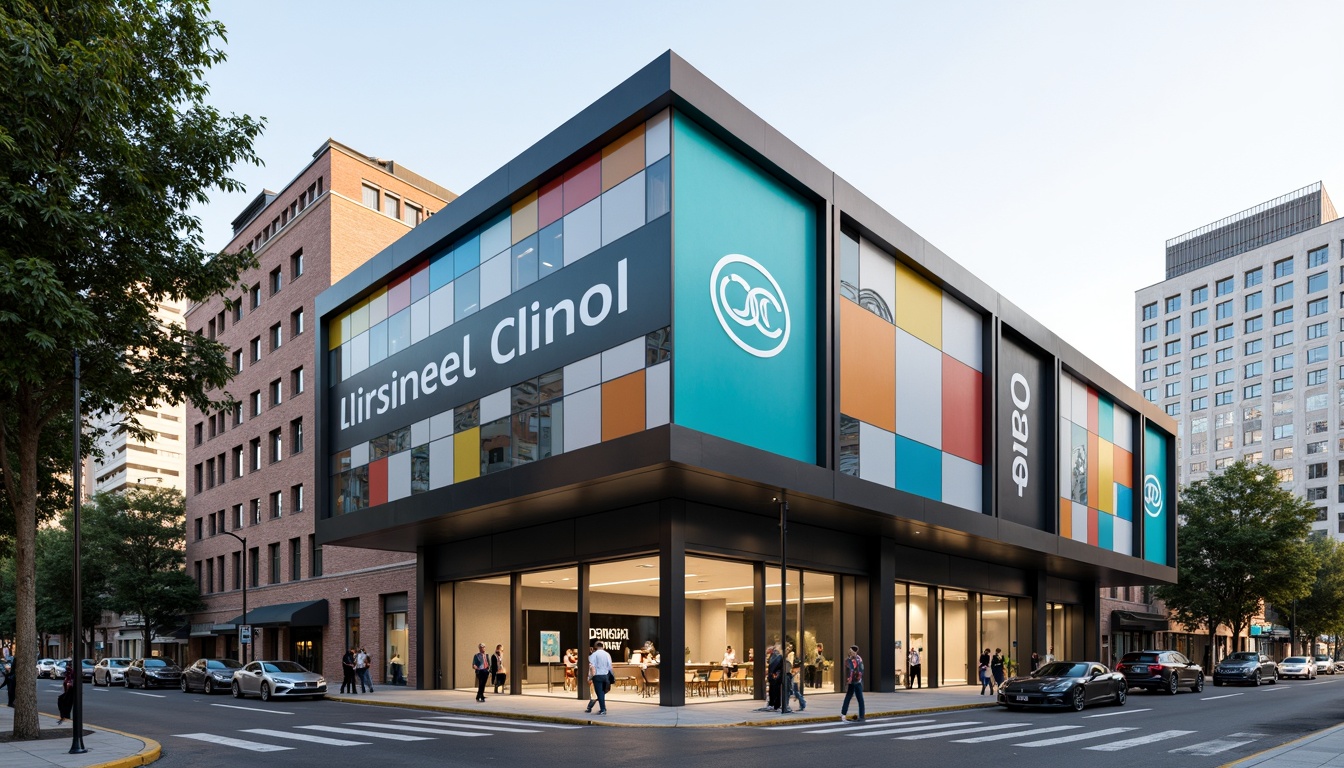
point(1152, 622)
point(309, 614)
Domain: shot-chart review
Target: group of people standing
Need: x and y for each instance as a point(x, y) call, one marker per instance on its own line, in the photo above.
point(992, 671)
point(489, 667)
point(356, 666)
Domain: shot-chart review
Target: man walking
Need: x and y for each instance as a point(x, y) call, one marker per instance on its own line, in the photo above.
point(914, 678)
point(599, 677)
point(481, 664)
point(853, 683)
point(364, 667)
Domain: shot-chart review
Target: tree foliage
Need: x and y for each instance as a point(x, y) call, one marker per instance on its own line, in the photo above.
point(141, 534)
point(1242, 542)
point(106, 141)
point(55, 582)
point(1321, 611)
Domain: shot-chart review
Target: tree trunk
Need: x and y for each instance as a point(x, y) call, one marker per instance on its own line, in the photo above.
point(25, 562)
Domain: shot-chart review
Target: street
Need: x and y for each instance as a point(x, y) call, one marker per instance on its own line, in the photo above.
point(1206, 729)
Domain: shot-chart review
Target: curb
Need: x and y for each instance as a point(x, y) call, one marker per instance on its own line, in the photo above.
point(151, 752)
point(559, 720)
point(1285, 747)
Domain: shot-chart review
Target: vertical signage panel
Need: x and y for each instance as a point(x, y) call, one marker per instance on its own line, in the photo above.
point(1025, 404)
point(1156, 501)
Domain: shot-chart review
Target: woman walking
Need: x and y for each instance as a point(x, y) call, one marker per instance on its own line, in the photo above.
point(66, 701)
point(985, 679)
point(996, 668)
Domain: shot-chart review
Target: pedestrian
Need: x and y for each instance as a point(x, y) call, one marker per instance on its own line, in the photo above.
point(997, 667)
point(774, 673)
point(1035, 660)
point(66, 700)
point(571, 664)
point(10, 675)
point(499, 673)
point(599, 677)
point(362, 671)
point(984, 672)
point(348, 684)
point(395, 663)
point(481, 663)
point(914, 678)
point(1050, 655)
point(793, 689)
point(853, 683)
point(812, 672)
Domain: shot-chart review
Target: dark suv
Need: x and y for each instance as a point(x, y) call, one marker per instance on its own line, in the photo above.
point(1246, 667)
point(1161, 671)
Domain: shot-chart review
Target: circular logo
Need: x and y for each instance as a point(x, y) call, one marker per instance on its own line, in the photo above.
point(1152, 496)
point(750, 305)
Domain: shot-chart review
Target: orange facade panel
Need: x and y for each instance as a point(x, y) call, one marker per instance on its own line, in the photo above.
point(867, 367)
point(623, 406)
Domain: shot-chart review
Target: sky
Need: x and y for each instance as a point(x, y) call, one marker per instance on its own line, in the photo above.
point(1049, 147)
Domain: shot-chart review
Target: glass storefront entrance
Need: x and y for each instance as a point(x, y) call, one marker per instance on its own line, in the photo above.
point(967, 622)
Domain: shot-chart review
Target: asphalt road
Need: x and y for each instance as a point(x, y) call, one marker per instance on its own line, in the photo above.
point(1189, 730)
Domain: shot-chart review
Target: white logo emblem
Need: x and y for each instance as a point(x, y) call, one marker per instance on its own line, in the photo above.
point(1152, 496)
point(739, 292)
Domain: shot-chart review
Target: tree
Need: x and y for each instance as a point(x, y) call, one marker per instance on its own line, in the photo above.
point(1242, 542)
point(106, 141)
point(1321, 611)
point(141, 535)
point(56, 589)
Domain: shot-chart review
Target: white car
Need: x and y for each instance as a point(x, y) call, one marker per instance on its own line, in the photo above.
point(45, 667)
point(110, 671)
point(1298, 666)
point(1324, 666)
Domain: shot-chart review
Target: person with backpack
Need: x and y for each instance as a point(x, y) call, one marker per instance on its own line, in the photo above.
point(853, 683)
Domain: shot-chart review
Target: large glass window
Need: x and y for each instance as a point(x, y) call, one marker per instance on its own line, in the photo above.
point(958, 660)
point(912, 628)
point(396, 639)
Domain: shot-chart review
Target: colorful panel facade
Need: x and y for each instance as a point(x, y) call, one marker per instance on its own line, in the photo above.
point(1096, 461)
point(911, 368)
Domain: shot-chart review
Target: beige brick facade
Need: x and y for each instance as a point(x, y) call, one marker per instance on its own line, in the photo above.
point(235, 470)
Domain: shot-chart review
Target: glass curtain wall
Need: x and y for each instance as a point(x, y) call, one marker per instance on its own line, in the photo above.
point(809, 621)
point(550, 632)
point(956, 666)
point(912, 627)
point(719, 611)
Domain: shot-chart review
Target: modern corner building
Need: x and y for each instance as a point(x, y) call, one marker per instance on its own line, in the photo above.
point(250, 521)
point(1243, 344)
point(586, 392)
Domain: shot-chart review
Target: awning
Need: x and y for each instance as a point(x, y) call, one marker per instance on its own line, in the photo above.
point(206, 629)
point(310, 614)
point(1152, 622)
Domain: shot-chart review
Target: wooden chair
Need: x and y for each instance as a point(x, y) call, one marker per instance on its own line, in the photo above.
point(739, 682)
point(716, 681)
point(651, 679)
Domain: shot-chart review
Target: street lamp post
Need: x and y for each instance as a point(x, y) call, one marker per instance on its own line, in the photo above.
point(785, 670)
point(77, 719)
point(242, 563)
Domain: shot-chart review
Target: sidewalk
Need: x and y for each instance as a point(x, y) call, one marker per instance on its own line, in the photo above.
point(114, 749)
point(105, 748)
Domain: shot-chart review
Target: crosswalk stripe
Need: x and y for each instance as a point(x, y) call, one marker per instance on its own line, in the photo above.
point(472, 726)
point(369, 734)
point(1116, 746)
point(1075, 737)
point(1018, 734)
point(528, 723)
point(1224, 696)
point(1207, 748)
point(417, 729)
point(912, 729)
point(850, 726)
point(959, 731)
point(254, 746)
point(305, 737)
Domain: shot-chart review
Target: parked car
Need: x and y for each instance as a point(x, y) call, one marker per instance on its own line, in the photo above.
point(45, 667)
point(1167, 671)
point(1246, 667)
point(269, 679)
point(87, 665)
point(1298, 666)
point(1324, 666)
point(110, 671)
point(153, 672)
point(1071, 684)
point(1339, 666)
point(209, 675)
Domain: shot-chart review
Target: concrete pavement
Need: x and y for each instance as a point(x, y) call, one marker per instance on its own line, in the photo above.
point(113, 749)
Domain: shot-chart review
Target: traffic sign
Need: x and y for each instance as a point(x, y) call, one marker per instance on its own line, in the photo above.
point(245, 634)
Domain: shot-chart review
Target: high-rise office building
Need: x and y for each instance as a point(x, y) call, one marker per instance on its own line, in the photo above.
point(250, 471)
point(1243, 344)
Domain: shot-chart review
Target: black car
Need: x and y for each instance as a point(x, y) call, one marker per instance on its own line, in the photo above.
point(1071, 684)
point(153, 673)
point(210, 675)
point(1246, 667)
point(1167, 671)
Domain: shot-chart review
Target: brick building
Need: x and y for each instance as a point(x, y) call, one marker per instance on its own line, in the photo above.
point(249, 478)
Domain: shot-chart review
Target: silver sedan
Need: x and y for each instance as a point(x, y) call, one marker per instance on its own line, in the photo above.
point(108, 671)
point(271, 679)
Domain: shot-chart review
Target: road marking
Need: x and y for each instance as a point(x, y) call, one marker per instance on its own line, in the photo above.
point(531, 724)
point(254, 746)
point(1275, 688)
point(1001, 736)
point(151, 695)
point(416, 729)
point(1224, 696)
point(366, 733)
point(305, 737)
point(1121, 712)
point(1075, 737)
point(472, 726)
point(1138, 741)
point(252, 709)
point(851, 726)
point(912, 729)
point(1207, 748)
point(959, 731)
point(1321, 682)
